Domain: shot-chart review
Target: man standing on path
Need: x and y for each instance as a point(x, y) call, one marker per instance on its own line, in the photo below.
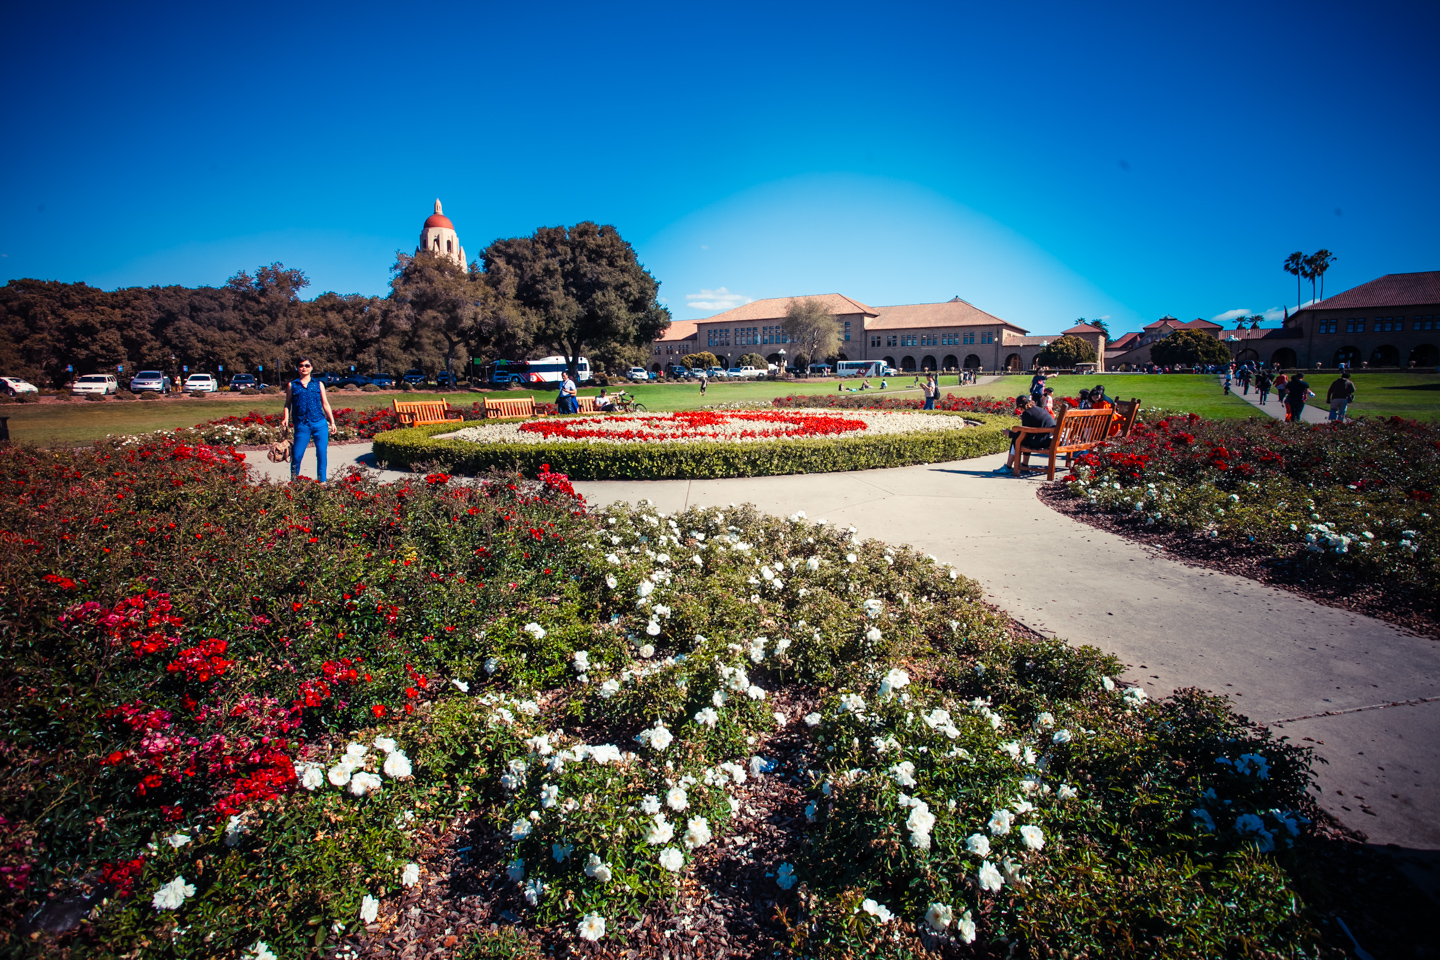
point(931, 389)
point(1295, 396)
point(567, 402)
point(1339, 395)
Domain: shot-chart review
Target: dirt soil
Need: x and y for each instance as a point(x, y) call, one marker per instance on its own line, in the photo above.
point(1291, 571)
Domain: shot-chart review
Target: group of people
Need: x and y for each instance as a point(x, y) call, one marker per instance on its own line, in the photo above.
point(1291, 392)
point(1037, 411)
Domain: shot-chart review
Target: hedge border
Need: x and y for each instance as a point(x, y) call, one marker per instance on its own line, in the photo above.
point(407, 448)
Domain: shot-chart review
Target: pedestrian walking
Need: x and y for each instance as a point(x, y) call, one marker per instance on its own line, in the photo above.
point(308, 406)
point(1282, 384)
point(1297, 392)
point(932, 389)
point(1262, 384)
point(703, 381)
point(1339, 395)
point(1227, 383)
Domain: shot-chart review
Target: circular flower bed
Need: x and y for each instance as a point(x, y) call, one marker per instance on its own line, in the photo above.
point(698, 444)
point(695, 425)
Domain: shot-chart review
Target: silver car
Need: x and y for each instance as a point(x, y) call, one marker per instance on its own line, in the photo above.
point(150, 380)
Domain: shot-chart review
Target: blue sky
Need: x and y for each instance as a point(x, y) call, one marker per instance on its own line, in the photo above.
point(1043, 161)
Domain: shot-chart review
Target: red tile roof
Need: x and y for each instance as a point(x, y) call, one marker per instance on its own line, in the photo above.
point(1162, 322)
point(1125, 340)
point(1391, 290)
point(952, 313)
point(1081, 328)
point(774, 308)
point(1199, 324)
point(678, 330)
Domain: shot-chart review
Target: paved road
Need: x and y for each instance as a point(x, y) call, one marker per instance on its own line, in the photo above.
point(1364, 694)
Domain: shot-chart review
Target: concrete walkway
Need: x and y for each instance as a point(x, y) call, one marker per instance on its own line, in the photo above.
point(1365, 695)
point(1272, 406)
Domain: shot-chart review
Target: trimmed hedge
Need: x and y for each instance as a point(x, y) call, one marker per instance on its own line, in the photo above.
point(413, 447)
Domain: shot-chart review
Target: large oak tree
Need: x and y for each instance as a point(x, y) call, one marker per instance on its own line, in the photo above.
point(583, 287)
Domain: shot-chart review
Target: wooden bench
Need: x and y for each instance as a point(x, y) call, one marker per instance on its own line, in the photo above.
point(587, 405)
point(418, 413)
point(495, 409)
point(1074, 432)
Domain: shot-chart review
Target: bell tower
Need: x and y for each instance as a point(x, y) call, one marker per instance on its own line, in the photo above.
point(439, 239)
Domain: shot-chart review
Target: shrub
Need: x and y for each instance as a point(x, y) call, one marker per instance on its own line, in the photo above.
point(95, 398)
point(1356, 497)
point(149, 395)
point(607, 461)
point(501, 651)
point(1189, 347)
point(370, 388)
point(198, 394)
point(249, 392)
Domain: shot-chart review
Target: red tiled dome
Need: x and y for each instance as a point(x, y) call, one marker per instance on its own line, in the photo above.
point(438, 220)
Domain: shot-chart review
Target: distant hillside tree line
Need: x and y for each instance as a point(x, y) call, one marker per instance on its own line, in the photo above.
point(571, 291)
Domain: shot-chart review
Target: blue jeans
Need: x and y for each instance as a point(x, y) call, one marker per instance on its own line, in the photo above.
point(320, 431)
point(929, 403)
point(1337, 409)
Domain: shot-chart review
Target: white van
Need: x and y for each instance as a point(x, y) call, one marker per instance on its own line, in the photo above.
point(101, 383)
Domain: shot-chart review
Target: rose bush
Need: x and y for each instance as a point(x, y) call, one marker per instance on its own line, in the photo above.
point(238, 714)
point(1356, 497)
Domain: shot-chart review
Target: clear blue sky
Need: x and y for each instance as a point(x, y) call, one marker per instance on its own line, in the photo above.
point(1043, 161)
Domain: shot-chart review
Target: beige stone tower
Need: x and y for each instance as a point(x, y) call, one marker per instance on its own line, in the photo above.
point(438, 237)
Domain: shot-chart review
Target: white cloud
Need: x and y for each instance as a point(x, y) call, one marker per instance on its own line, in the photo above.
point(1229, 315)
point(717, 299)
point(1273, 314)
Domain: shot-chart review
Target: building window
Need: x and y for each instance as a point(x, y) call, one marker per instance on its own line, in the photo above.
point(847, 329)
point(875, 340)
point(892, 341)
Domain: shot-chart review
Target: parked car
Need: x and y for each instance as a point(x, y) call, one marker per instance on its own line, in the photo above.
point(637, 373)
point(714, 373)
point(244, 381)
point(202, 382)
point(679, 371)
point(101, 383)
point(382, 380)
point(414, 377)
point(746, 373)
point(148, 381)
point(446, 379)
point(351, 380)
point(15, 386)
point(329, 379)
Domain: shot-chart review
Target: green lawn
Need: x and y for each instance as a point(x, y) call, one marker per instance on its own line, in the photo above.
point(1415, 396)
point(80, 422)
point(1192, 393)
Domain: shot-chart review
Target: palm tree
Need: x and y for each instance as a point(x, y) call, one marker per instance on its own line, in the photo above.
point(1295, 264)
point(1320, 261)
point(1307, 270)
point(1240, 323)
point(1255, 321)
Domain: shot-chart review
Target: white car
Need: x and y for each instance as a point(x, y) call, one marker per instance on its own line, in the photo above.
point(745, 373)
point(150, 380)
point(101, 383)
point(202, 382)
point(638, 374)
point(15, 386)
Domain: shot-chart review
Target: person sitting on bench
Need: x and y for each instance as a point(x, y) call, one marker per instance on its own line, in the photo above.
point(604, 403)
point(1033, 415)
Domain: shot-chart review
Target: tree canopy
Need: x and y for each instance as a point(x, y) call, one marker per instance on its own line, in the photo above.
point(1066, 352)
point(702, 360)
point(1189, 347)
point(583, 287)
point(812, 328)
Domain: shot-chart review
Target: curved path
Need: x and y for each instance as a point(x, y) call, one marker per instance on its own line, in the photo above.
point(1364, 694)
